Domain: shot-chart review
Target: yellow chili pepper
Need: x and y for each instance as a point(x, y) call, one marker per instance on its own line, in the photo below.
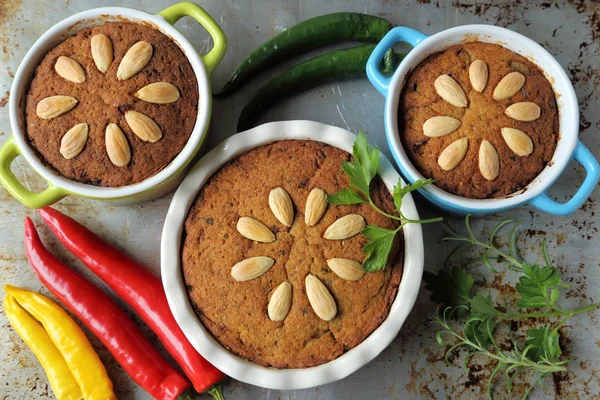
point(61, 379)
point(83, 362)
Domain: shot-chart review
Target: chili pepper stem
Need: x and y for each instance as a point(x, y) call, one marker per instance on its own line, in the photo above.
point(216, 392)
point(189, 394)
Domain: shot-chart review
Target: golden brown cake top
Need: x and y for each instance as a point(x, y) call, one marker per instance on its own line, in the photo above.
point(479, 119)
point(105, 73)
point(237, 313)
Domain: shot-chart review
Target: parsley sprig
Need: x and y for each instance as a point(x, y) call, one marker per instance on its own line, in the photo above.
point(361, 171)
point(538, 289)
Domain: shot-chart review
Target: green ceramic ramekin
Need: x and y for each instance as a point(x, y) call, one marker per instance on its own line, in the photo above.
point(151, 188)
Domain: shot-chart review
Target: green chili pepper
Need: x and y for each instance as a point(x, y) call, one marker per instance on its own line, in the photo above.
point(306, 35)
point(331, 67)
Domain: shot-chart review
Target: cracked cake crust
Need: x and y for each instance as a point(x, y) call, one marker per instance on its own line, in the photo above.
point(234, 312)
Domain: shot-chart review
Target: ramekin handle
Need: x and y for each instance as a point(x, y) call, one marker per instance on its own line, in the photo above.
point(51, 195)
point(398, 34)
point(584, 157)
point(177, 11)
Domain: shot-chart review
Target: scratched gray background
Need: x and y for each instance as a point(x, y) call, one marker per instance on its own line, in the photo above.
point(412, 366)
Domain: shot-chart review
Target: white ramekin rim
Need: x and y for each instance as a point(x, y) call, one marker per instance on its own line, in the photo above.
point(68, 27)
point(563, 88)
point(175, 288)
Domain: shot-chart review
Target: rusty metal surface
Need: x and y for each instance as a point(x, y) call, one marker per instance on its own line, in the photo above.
point(412, 366)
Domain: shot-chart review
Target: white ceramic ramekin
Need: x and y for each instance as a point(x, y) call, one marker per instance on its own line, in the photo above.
point(175, 288)
point(568, 148)
point(151, 188)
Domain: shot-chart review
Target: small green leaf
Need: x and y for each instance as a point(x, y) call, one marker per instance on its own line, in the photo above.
point(401, 191)
point(483, 306)
point(532, 302)
point(545, 253)
point(543, 343)
point(451, 288)
point(486, 261)
point(497, 228)
point(346, 197)
point(554, 294)
point(363, 167)
point(368, 157)
point(476, 330)
point(534, 285)
point(513, 237)
point(379, 247)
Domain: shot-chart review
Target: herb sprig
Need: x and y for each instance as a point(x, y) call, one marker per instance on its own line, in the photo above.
point(361, 171)
point(538, 289)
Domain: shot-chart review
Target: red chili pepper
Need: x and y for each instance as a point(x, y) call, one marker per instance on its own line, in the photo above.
point(135, 284)
point(106, 320)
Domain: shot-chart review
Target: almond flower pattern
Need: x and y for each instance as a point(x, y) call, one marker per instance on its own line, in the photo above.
point(451, 92)
point(146, 129)
point(319, 297)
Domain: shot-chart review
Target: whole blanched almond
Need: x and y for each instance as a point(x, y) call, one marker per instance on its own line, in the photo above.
point(489, 165)
point(281, 206)
point(54, 106)
point(478, 75)
point(251, 268)
point(102, 52)
point(280, 302)
point(449, 90)
point(440, 126)
point(116, 146)
point(143, 127)
point(69, 69)
point(345, 227)
point(509, 85)
point(134, 60)
point(253, 229)
point(518, 141)
point(452, 155)
point(346, 269)
point(73, 142)
point(158, 93)
point(316, 204)
point(319, 298)
point(525, 111)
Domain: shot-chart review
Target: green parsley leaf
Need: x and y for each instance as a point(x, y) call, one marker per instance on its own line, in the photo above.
point(346, 197)
point(451, 288)
point(379, 247)
point(543, 344)
point(533, 287)
point(363, 167)
point(478, 331)
point(401, 191)
point(483, 306)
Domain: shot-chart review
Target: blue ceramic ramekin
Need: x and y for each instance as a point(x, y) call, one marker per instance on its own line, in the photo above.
point(568, 148)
